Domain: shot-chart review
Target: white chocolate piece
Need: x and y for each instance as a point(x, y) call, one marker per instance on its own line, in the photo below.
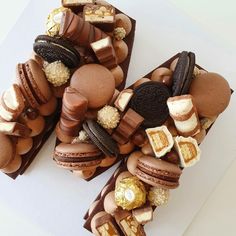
point(184, 114)
point(123, 99)
point(188, 150)
point(160, 139)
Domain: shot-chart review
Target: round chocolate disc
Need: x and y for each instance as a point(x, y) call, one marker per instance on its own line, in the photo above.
point(150, 101)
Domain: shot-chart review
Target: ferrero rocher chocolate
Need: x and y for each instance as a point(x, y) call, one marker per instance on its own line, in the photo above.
point(54, 21)
point(158, 196)
point(130, 193)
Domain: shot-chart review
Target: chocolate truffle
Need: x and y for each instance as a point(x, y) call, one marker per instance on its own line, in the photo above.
point(121, 50)
point(24, 145)
point(123, 21)
point(110, 205)
point(96, 83)
point(13, 166)
point(118, 75)
point(48, 108)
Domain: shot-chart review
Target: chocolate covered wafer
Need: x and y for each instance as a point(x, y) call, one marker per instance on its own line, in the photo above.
point(103, 16)
point(76, 5)
point(130, 122)
point(79, 31)
point(105, 52)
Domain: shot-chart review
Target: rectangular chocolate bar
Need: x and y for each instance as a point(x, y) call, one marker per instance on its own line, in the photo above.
point(76, 5)
point(110, 185)
point(103, 16)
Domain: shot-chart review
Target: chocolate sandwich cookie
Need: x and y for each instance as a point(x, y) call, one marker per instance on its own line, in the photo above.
point(158, 173)
point(33, 83)
point(183, 73)
point(101, 138)
point(79, 156)
point(56, 49)
point(149, 101)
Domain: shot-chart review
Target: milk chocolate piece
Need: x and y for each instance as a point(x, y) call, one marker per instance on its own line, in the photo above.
point(130, 122)
point(79, 31)
point(76, 5)
point(103, 16)
point(106, 226)
point(123, 99)
point(105, 52)
point(15, 129)
point(143, 214)
point(128, 224)
point(31, 113)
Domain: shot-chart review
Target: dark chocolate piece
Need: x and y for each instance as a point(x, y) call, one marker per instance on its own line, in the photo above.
point(129, 123)
point(102, 16)
point(150, 101)
point(105, 52)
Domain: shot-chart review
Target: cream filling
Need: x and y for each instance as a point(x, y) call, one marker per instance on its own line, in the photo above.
point(8, 116)
point(124, 100)
point(77, 1)
point(10, 99)
point(180, 107)
point(96, 18)
point(103, 43)
point(187, 125)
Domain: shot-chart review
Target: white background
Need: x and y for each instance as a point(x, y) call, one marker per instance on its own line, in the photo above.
point(50, 201)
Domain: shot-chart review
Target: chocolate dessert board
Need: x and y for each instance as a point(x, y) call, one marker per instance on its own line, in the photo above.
point(53, 199)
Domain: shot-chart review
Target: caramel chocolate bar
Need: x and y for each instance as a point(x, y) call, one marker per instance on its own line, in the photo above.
point(105, 225)
point(160, 139)
point(130, 122)
point(76, 5)
point(78, 31)
point(103, 16)
point(128, 224)
point(105, 52)
point(15, 129)
point(188, 150)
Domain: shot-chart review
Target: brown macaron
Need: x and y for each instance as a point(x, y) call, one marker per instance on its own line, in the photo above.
point(132, 161)
point(13, 166)
point(211, 93)
point(33, 83)
point(7, 150)
point(158, 173)
point(78, 156)
point(96, 83)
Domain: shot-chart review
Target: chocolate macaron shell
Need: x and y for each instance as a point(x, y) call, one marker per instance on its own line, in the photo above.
point(38, 81)
point(56, 49)
point(96, 83)
point(7, 150)
point(157, 172)
point(102, 139)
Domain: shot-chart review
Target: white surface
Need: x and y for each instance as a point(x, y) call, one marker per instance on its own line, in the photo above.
point(50, 201)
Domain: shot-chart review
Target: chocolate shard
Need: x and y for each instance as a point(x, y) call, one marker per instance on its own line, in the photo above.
point(105, 225)
point(102, 16)
point(128, 224)
point(15, 129)
point(105, 52)
point(130, 122)
point(74, 28)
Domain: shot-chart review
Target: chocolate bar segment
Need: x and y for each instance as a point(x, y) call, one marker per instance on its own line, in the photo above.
point(105, 52)
point(128, 224)
point(143, 214)
point(76, 5)
point(80, 32)
point(130, 122)
point(15, 129)
point(102, 16)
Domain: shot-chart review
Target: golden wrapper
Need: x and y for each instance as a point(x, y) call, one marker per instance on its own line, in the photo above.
point(158, 196)
point(130, 193)
point(54, 21)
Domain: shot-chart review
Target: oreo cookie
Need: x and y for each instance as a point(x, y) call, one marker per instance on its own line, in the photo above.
point(56, 49)
point(183, 73)
point(101, 138)
point(150, 101)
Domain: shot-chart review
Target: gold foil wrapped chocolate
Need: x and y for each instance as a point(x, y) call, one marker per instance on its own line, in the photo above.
point(130, 193)
point(158, 196)
point(54, 21)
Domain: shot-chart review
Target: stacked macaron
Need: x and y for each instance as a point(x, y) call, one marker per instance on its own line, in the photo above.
point(24, 109)
point(165, 115)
